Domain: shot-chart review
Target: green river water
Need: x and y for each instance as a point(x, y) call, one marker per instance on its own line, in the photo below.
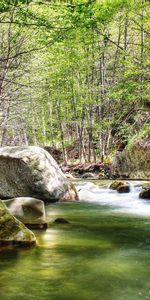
point(102, 254)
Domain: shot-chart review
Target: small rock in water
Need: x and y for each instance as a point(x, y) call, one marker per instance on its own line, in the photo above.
point(145, 194)
point(123, 189)
point(29, 211)
point(61, 221)
point(120, 186)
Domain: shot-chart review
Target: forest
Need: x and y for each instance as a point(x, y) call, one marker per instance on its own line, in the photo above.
point(74, 75)
point(74, 149)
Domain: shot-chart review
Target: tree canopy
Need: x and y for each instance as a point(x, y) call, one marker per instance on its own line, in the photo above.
point(74, 74)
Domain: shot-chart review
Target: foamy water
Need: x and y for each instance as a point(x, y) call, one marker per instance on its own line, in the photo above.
point(121, 202)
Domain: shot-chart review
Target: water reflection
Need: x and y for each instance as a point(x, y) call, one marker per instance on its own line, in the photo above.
point(102, 254)
point(47, 239)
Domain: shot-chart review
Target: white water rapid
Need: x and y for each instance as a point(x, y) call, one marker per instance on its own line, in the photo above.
point(121, 202)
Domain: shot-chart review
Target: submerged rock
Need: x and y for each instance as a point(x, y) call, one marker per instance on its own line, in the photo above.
point(29, 211)
point(12, 230)
point(61, 221)
point(32, 172)
point(120, 186)
point(145, 194)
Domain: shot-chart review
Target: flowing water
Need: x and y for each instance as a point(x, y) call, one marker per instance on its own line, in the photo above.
point(102, 254)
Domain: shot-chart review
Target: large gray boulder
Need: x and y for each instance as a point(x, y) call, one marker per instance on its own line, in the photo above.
point(12, 230)
point(29, 211)
point(32, 172)
point(134, 161)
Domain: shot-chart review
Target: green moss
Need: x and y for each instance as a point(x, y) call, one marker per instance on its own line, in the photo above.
point(11, 229)
point(116, 184)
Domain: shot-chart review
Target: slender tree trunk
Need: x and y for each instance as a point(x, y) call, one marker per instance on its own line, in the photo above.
point(4, 125)
point(102, 84)
point(82, 154)
point(51, 123)
point(63, 144)
point(33, 120)
point(5, 103)
point(107, 145)
point(25, 138)
point(142, 51)
point(125, 34)
point(43, 126)
point(91, 150)
point(59, 119)
point(116, 56)
point(34, 128)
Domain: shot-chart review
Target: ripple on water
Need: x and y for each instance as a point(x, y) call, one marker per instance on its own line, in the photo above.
point(102, 254)
point(122, 202)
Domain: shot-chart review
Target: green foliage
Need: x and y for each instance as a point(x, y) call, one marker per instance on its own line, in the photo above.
point(6, 5)
point(77, 66)
point(145, 132)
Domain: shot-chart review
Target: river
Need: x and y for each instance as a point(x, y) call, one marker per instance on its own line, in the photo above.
point(102, 254)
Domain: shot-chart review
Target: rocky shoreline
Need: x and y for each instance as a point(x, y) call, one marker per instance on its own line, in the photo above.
point(30, 177)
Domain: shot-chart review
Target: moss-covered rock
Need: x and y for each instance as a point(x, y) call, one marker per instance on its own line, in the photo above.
point(12, 230)
point(120, 186)
point(134, 161)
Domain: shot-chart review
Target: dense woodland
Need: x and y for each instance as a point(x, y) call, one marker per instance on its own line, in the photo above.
point(74, 75)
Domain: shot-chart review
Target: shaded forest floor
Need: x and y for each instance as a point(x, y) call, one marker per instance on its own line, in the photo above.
point(96, 170)
point(88, 170)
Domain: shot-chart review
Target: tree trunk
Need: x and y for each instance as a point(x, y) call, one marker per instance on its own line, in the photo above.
point(82, 154)
point(142, 51)
point(102, 85)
